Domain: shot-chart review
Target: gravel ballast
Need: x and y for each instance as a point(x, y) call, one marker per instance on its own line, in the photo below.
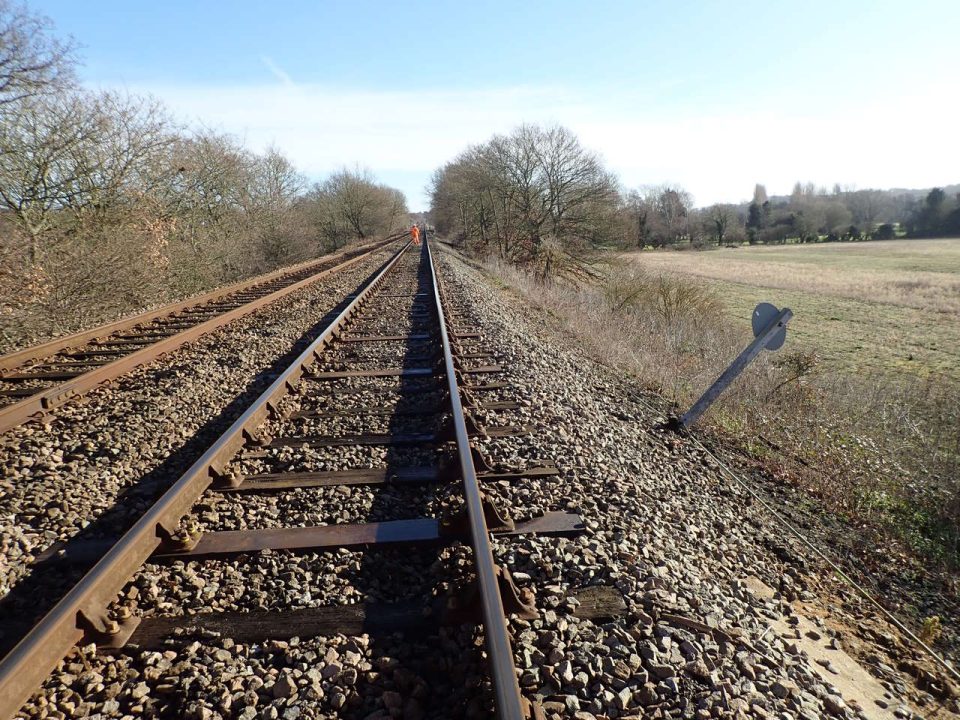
point(94, 468)
point(714, 609)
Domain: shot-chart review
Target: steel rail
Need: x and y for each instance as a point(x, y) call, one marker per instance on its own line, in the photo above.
point(84, 607)
point(17, 358)
point(48, 398)
point(509, 702)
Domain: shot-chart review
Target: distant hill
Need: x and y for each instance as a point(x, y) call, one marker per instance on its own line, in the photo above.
point(912, 193)
point(950, 190)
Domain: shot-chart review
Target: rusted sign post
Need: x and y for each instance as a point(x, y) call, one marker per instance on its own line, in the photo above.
point(770, 332)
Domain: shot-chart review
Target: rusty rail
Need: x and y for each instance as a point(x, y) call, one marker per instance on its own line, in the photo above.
point(83, 611)
point(46, 399)
point(510, 704)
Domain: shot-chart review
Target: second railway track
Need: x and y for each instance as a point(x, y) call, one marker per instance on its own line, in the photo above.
point(36, 380)
point(360, 447)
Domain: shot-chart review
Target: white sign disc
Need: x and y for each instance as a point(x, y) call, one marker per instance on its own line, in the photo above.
point(763, 315)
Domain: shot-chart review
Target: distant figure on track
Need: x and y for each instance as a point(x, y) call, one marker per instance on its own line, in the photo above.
point(415, 234)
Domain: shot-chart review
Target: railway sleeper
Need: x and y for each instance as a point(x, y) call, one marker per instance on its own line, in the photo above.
point(460, 607)
point(430, 356)
point(120, 343)
point(95, 353)
point(481, 369)
point(370, 410)
point(359, 536)
point(423, 475)
point(40, 375)
point(21, 392)
point(181, 324)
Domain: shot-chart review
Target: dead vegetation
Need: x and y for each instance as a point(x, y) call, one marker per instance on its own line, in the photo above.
point(881, 449)
point(107, 205)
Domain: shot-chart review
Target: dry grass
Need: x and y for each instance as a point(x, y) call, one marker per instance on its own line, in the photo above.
point(858, 306)
point(922, 274)
point(876, 446)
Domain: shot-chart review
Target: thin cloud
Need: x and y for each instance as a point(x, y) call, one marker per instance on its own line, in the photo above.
point(278, 72)
point(718, 155)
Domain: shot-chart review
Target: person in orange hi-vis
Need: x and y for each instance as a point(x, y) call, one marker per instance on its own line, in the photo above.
point(415, 234)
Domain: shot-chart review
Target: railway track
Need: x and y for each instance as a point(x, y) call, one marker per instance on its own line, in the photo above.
point(385, 399)
point(36, 380)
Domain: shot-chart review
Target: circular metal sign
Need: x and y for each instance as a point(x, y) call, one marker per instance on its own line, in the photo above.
point(763, 315)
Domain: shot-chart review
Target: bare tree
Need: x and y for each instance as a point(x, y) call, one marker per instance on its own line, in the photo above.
point(32, 61)
point(351, 204)
point(720, 219)
point(673, 205)
point(275, 182)
point(866, 207)
point(639, 206)
point(270, 196)
point(209, 185)
point(79, 156)
point(106, 205)
point(467, 203)
point(836, 217)
point(579, 189)
point(536, 193)
point(126, 161)
point(39, 169)
point(354, 194)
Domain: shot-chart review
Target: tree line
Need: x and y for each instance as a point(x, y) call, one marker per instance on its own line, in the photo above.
point(812, 214)
point(538, 196)
point(108, 204)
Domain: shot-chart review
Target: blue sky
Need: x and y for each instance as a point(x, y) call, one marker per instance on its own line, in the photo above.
point(712, 95)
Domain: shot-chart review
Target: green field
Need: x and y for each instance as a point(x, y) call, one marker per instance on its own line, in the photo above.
point(887, 305)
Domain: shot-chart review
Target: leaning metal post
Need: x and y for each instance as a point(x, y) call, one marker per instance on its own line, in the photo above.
point(763, 338)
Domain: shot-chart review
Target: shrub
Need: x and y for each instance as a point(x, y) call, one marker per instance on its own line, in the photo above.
point(884, 232)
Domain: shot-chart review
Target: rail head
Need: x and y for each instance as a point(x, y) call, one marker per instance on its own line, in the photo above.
point(509, 702)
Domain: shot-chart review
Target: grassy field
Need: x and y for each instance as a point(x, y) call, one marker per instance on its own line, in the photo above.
point(886, 305)
point(871, 431)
